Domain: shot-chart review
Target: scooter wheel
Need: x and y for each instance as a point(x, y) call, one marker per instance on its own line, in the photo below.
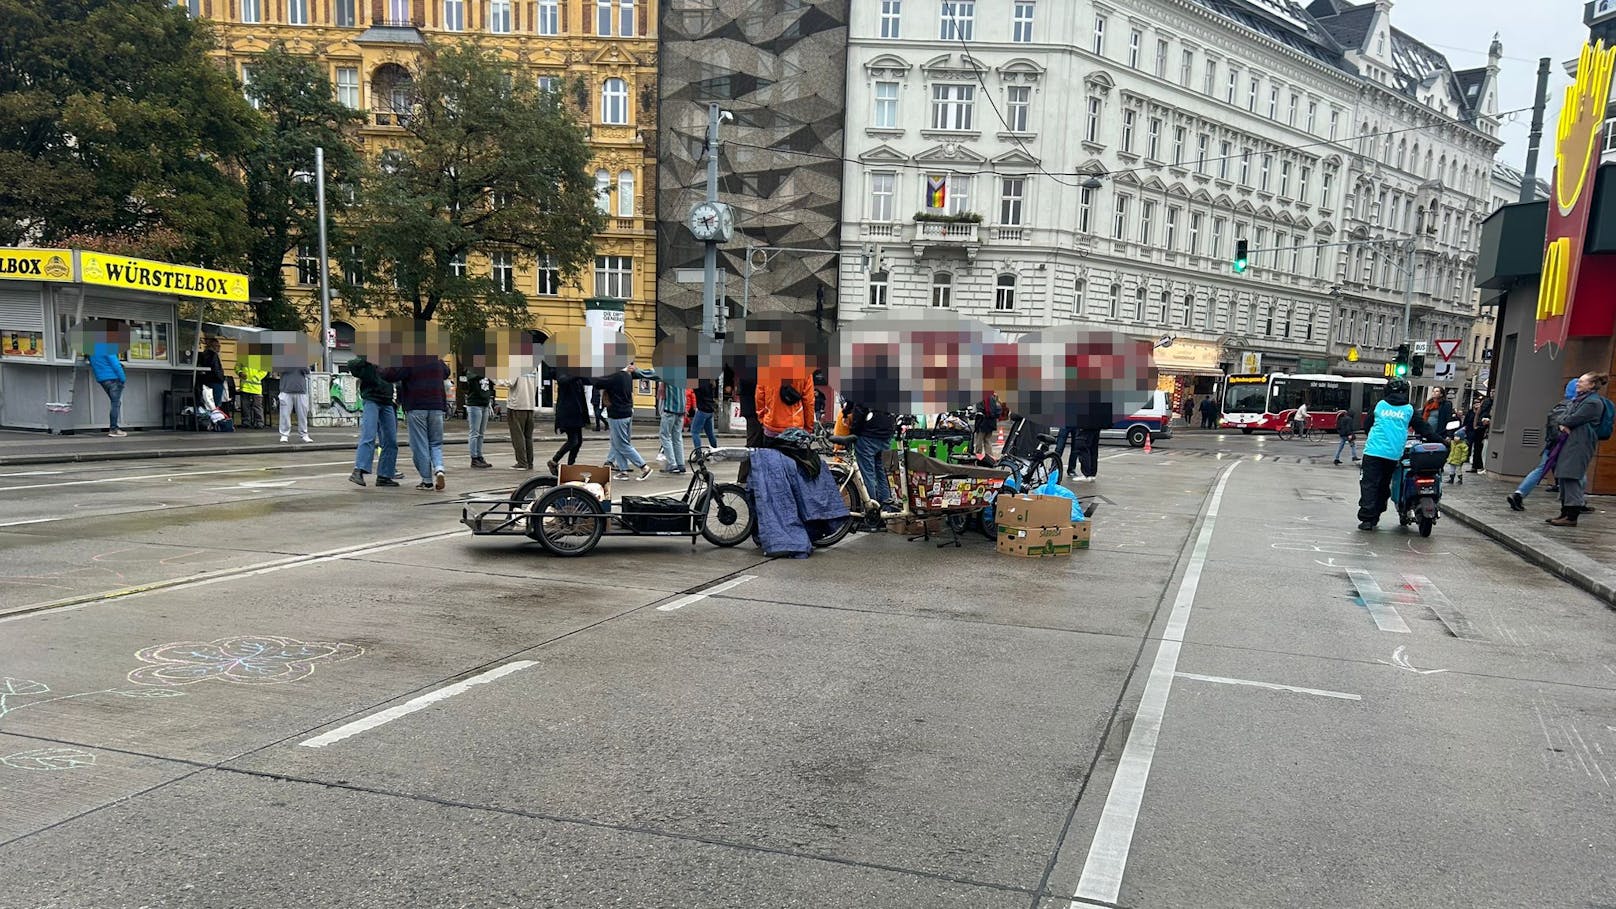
point(1425, 526)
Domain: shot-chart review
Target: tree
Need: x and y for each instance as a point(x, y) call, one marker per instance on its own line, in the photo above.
point(113, 123)
point(492, 166)
point(298, 112)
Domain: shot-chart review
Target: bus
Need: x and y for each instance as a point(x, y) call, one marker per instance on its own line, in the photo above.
point(1266, 402)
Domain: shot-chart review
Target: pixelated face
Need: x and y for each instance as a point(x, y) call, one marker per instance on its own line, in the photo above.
point(288, 350)
point(396, 339)
point(590, 351)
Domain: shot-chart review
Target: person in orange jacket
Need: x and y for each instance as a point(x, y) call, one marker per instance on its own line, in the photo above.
point(785, 395)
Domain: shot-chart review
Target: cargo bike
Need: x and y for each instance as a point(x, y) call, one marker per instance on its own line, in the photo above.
point(570, 518)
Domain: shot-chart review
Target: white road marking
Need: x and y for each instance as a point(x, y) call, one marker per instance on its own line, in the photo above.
point(1113, 839)
point(35, 473)
point(692, 598)
point(1386, 616)
point(171, 476)
point(411, 706)
point(31, 521)
point(1271, 685)
point(1400, 660)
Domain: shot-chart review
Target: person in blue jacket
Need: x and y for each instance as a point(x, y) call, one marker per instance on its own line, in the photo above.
point(108, 371)
point(1388, 425)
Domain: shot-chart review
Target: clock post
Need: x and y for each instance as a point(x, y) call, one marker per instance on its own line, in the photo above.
point(709, 282)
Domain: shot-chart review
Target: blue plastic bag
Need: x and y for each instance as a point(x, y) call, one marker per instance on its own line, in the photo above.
point(1054, 488)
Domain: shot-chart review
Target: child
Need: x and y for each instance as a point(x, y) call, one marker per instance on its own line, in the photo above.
point(1458, 453)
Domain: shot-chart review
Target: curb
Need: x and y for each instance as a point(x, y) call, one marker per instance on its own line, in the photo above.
point(1575, 576)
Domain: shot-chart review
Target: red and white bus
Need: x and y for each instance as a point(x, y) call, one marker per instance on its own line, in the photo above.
point(1266, 402)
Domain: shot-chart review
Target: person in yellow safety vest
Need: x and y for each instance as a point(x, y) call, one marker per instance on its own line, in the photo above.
point(251, 370)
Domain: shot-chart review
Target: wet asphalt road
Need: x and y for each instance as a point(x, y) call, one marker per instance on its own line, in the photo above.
point(246, 682)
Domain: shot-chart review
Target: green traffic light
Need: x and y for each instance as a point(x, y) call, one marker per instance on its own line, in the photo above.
point(1239, 265)
point(1401, 369)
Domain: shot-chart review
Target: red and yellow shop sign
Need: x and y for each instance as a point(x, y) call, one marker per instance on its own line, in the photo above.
point(1571, 201)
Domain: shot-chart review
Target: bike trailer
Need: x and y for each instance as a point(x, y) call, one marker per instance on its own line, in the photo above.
point(1427, 457)
point(655, 514)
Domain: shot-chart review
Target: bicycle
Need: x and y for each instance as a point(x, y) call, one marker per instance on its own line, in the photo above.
point(1288, 430)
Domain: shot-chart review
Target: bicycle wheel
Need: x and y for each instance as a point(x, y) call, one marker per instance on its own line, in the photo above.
point(840, 529)
point(1284, 433)
point(567, 521)
point(728, 518)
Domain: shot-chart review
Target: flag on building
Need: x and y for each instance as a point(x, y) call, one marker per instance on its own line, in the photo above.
point(937, 192)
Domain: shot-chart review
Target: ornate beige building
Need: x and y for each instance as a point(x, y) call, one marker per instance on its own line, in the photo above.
point(601, 52)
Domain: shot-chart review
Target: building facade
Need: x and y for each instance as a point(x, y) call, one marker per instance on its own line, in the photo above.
point(1506, 190)
point(1418, 188)
point(1096, 163)
point(605, 48)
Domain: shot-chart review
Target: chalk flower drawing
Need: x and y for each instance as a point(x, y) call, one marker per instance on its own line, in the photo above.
point(49, 759)
point(245, 660)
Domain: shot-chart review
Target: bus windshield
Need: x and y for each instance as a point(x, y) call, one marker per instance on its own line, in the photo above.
point(1246, 398)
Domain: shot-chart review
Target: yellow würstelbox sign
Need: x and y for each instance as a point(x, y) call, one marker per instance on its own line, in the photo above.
point(36, 265)
point(161, 277)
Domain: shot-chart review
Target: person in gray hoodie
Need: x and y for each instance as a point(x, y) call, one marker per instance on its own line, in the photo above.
point(294, 395)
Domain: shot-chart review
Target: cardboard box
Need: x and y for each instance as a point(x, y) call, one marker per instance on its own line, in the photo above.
point(1082, 534)
point(915, 527)
point(1044, 542)
point(1032, 511)
point(588, 473)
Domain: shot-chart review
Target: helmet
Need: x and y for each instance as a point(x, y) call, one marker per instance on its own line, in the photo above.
point(1397, 387)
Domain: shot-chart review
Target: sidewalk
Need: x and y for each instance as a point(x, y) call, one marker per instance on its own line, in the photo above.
point(1584, 555)
point(24, 448)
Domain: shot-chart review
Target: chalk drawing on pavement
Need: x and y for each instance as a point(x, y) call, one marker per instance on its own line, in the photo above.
point(242, 660)
point(49, 759)
point(17, 694)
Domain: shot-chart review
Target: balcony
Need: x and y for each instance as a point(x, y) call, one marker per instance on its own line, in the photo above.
point(883, 230)
point(965, 236)
point(1012, 234)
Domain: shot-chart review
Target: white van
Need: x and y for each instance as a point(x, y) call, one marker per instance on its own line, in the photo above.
point(1155, 421)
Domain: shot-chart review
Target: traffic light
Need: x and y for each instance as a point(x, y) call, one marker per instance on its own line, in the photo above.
point(1242, 256)
point(1417, 365)
point(1400, 364)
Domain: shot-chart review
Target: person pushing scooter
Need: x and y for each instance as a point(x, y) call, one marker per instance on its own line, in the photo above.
point(1388, 426)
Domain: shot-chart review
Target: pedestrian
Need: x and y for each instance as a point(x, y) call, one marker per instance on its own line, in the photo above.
point(378, 424)
point(1209, 412)
point(1551, 435)
point(1299, 420)
point(595, 398)
point(422, 378)
point(107, 367)
point(671, 403)
point(1346, 427)
point(617, 391)
point(1458, 452)
point(1439, 410)
point(210, 374)
point(784, 396)
point(1086, 448)
point(1388, 428)
point(479, 401)
point(986, 424)
point(1579, 439)
point(1189, 409)
point(521, 400)
point(251, 370)
point(571, 416)
point(1478, 424)
point(872, 432)
point(294, 396)
point(701, 416)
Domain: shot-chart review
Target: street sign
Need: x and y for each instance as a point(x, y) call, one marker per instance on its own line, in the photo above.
point(1444, 371)
point(1422, 347)
point(1447, 347)
point(1352, 354)
point(331, 339)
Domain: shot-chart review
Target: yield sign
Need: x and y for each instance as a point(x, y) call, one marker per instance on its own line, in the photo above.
point(1448, 347)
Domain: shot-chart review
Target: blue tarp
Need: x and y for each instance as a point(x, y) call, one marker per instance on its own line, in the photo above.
point(790, 507)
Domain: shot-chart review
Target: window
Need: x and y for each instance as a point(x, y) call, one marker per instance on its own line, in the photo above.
point(353, 266)
point(1085, 209)
point(949, 193)
point(1116, 301)
point(1312, 115)
point(1260, 245)
point(308, 265)
point(1335, 121)
point(1077, 296)
point(1273, 103)
point(625, 18)
point(246, 86)
point(1170, 239)
point(1004, 293)
point(1195, 234)
point(549, 283)
point(1135, 39)
point(1021, 23)
point(1217, 238)
point(1166, 308)
point(1326, 183)
point(1245, 167)
point(1285, 179)
point(1234, 84)
point(614, 101)
point(1318, 260)
point(499, 16)
point(625, 194)
point(549, 18)
point(942, 290)
point(549, 83)
point(398, 12)
point(1012, 193)
point(1129, 120)
point(1147, 218)
point(1119, 223)
point(1201, 143)
point(1099, 36)
point(958, 20)
point(1290, 111)
point(603, 191)
point(1018, 107)
point(457, 265)
point(1251, 95)
point(348, 87)
point(1303, 179)
point(603, 17)
point(503, 272)
point(1178, 144)
point(1091, 132)
point(886, 105)
point(883, 197)
point(952, 106)
point(614, 277)
point(1225, 153)
point(1139, 304)
point(1153, 140)
point(1186, 68)
point(250, 11)
point(1209, 80)
point(346, 16)
point(891, 22)
point(877, 289)
point(297, 12)
point(1161, 58)
point(1267, 166)
point(454, 15)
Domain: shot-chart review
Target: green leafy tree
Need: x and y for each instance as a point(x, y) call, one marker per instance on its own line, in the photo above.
point(298, 112)
point(491, 165)
point(113, 123)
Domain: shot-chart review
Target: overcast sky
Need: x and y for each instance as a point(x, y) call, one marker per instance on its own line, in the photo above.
point(1462, 29)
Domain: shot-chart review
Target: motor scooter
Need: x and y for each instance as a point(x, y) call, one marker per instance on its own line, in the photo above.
point(1417, 484)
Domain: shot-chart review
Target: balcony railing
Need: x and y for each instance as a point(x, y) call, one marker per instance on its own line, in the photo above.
point(947, 231)
point(882, 231)
point(1010, 234)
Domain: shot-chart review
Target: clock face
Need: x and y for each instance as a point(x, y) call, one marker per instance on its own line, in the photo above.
point(706, 221)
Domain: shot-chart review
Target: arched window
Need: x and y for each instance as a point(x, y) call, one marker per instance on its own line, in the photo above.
point(1189, 309)
point(1402, 153)
point(625, 194)
point(1077, 301)
point(1167, 308)
point(1116, 301)
point(603, 191)
point(1139, 303)
point(942, 290)
point(614, 101)
point(392, 93)
point(1004, 293)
